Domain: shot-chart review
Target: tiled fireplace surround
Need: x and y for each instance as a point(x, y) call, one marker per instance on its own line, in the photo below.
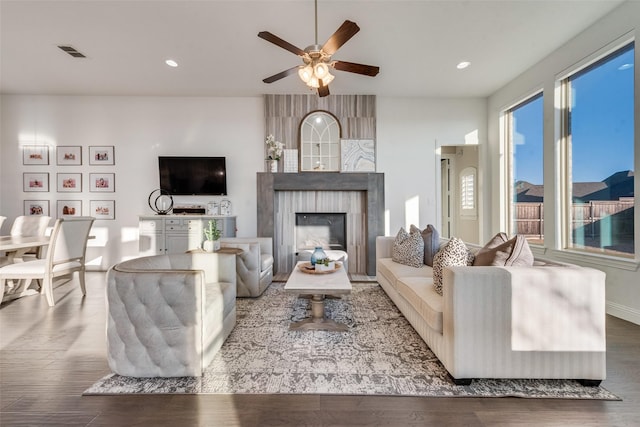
point(359, 195)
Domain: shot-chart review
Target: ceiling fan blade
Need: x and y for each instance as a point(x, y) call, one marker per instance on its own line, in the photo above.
point(322, 89)
point(279, 42)
point(367, 70)
point(281, 75)
point(342, 35)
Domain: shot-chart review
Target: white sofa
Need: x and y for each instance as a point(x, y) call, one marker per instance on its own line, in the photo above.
point(168, 315)
point(254, 266)
point(545, 321)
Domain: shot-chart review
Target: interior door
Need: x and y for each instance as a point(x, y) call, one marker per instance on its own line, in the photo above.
point(445, 180)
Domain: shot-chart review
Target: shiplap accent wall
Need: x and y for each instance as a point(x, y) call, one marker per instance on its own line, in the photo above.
point(284, 113)
point(352, 203)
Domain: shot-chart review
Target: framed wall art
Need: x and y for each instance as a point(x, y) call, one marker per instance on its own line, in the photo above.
point(103, 209)
point(102, 182)
point(36, 207)
point(69, 182)
point(35, 155)
point(69, 155)
point(32, 182)
point(102, 155)
point(67, 208)
point(357, 155)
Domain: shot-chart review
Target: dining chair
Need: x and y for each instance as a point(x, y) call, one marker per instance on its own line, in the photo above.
point(66, 255)
point(30, 225)
point(2, 218)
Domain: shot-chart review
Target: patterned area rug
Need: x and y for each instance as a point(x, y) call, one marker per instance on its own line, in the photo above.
point(381, 354)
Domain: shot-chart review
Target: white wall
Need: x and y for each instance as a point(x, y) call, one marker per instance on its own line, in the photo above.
point(410, 132)
point(140, 129)
point(623, 278)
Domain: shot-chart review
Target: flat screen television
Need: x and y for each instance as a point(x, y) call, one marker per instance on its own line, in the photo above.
point(190, 176)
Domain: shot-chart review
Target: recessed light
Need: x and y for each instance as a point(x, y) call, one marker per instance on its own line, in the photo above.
point(625, 67)
point(171, 63)
point(462, 65)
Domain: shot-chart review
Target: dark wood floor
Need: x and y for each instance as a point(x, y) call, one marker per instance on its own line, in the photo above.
point(49, 356)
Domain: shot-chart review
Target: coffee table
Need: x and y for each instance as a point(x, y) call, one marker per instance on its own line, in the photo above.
point(319, 286)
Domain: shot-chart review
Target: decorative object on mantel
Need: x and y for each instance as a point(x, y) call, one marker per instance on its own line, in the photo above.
point(274, 152)
point(291, 160)
point(358, 155)
point(162, 201)
point(212, 234)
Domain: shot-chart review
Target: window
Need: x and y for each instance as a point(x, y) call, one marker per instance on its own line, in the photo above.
point(524, 141)
point(468, 193)
point(599, 155)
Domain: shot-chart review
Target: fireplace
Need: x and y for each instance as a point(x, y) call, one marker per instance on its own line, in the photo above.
point(327, 230)
point(360, 194)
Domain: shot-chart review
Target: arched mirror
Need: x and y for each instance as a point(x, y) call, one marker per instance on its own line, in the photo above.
point(320, 142)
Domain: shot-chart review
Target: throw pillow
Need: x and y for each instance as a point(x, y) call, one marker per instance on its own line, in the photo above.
point(455, 253)
point(514, 252)
point(431, 244)
point(485, 255)
point(408, 248)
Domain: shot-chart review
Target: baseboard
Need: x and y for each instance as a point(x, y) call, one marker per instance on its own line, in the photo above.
point(623, 312)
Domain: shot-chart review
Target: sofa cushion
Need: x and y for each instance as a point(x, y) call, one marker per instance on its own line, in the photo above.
point(514, 252)
point(408, 248)
point(455, 253)
point(431, 240)
point(391, 270)
point(422, 296)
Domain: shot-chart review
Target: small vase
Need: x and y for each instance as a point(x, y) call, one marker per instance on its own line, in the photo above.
point(211, 245)
point(273, 166)
point(317, 255)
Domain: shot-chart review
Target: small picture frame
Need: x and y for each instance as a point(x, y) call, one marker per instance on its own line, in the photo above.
point(102, 182)
point(69, 155)
point(35, 182)
point(36, 207)
point(69, 182)
point(101, 155)
point(35, 155)
point(67, 208)
point(103, 209)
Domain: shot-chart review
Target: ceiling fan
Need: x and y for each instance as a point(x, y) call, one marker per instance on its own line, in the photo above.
point(317, 59)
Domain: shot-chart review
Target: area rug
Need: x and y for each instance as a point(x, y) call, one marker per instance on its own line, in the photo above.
point(381, 354)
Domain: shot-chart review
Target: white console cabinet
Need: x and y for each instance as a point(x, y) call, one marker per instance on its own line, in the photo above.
point(163, 234)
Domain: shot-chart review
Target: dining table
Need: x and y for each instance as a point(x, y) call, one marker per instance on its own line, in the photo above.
point(15, 247)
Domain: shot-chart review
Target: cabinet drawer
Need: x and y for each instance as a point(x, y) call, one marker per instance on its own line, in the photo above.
point(176, 228)
point(173, 221)
point(151, 225)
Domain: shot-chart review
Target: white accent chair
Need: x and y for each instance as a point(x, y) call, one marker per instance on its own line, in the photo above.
point(65, 256)
point(254, 266)
point(168, 315)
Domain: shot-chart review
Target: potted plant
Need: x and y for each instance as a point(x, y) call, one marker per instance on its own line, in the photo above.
point(212, 235)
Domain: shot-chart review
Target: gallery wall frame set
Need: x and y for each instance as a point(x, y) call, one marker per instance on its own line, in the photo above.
point(69, 155)
point(69, 182)
point(102, 209)
point(35, 155)
point(102, 155)
point(36, 207)
point(35, 182)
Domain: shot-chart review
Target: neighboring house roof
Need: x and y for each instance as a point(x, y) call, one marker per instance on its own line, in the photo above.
point(616, 186)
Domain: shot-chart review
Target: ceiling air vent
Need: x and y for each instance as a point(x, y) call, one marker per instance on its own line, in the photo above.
point(72, 51)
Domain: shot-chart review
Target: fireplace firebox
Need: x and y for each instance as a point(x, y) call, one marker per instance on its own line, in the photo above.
point(327, 230)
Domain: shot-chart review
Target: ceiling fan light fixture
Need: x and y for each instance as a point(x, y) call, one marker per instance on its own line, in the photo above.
point(305, 73)
point(321, 70)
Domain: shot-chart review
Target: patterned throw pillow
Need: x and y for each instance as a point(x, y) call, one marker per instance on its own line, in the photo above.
point(455, 253)
point(408, 248)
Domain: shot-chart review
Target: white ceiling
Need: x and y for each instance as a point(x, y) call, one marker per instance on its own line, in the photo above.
point(417, 44)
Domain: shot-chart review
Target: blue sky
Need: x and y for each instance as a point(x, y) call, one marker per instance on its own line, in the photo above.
point(601, 125)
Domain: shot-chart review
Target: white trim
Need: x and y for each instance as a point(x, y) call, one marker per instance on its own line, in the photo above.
point(597, 260)
point(623, 312)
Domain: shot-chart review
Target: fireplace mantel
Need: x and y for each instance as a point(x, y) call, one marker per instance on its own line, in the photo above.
point(372, 184)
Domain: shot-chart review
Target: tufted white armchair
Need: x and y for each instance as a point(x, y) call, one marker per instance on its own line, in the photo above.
point(254, 266)
point(168, 315)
